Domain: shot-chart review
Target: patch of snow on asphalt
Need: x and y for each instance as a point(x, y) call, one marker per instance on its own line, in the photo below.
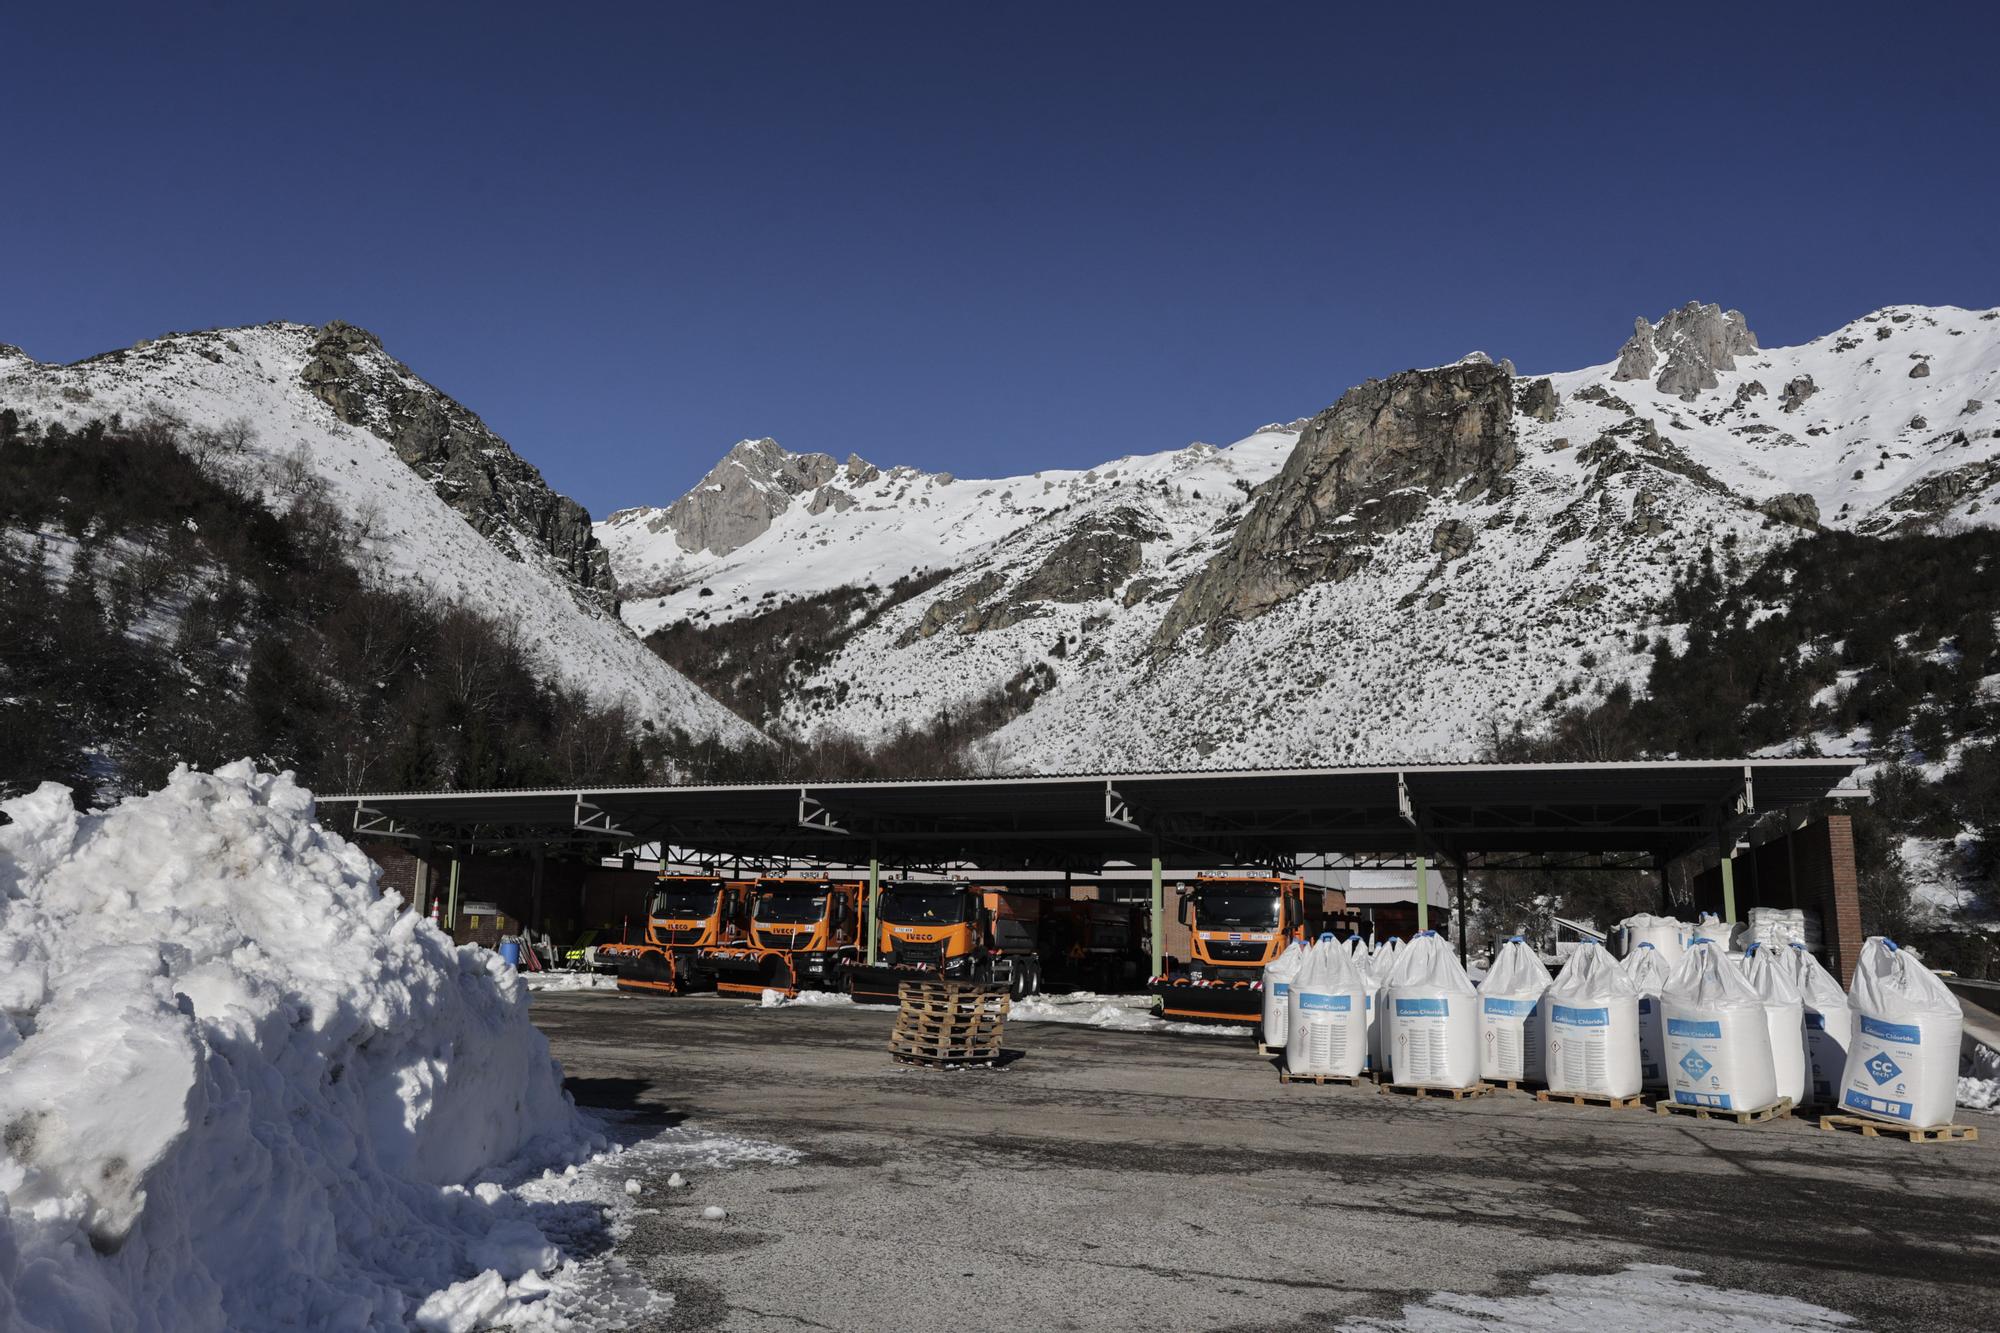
point(777, 999)
point(1126, 1013)
point(1641, 1299)
point(539, 981)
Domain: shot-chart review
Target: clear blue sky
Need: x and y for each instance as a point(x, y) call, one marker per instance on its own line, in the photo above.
point(986, 239)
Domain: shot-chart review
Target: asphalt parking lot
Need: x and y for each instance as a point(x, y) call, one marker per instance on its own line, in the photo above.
point(1135, 1180)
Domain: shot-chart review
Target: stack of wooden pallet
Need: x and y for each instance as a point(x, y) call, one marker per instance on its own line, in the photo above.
point(949, 1022)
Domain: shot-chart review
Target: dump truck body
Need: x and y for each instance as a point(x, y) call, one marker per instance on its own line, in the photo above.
point(687, 915)
point(953, 931)
point(1236, 925)
point(803, 933)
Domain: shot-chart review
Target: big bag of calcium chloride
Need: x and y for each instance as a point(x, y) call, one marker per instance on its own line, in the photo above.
point(1664, 933)
point(1903, 1065)
point(1433, 1017)
point(1829, 1027)
point(1381, 962)
point(1327, 1030)
point(1648, 971)
point(1593, 1027)
point(1718, 1039)
point(1510, 1014)
point(1278, 974)
point(1769, 972)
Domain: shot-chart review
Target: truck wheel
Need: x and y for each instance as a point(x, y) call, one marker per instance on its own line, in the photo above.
point(1034, 976)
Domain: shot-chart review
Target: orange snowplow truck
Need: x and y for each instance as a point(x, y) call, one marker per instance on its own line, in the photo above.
point(1235, 926)
point(688, 914)
point(958, 932)
point(803, 933)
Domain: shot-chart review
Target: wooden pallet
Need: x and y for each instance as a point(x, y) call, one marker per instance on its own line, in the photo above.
point(1424, 1090)
point(940, 1023)
point(1755, 1116)
point(1874, 1129)
point(1508, 1084)
point(1637, 1101)
point(1350, 1080)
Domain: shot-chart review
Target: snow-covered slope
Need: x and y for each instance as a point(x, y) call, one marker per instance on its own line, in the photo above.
point(1401, 611)
point(363, 430)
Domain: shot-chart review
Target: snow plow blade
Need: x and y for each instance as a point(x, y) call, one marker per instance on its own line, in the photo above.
point(643, 968)
point(1226, 1003)
point(881, 985)
point(750, 971)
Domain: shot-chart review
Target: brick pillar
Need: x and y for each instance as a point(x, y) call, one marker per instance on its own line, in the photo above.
point(1842, 897)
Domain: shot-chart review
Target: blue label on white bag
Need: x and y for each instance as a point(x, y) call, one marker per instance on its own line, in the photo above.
point(1281, 988)
point(1692, 1027)
point(1437, 1008)
point(1875, 1027)
point(1717, 1101)
point(1861, 1101)
point(1509, 1008)
point(1333, 1004)
point(1583, 1018)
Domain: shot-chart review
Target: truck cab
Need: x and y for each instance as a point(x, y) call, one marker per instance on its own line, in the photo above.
point(954, 931)
point(1236, 925)
point(802, 932)
point(686, 915)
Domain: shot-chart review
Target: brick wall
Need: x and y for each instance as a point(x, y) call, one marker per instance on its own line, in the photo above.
point(1811, 868)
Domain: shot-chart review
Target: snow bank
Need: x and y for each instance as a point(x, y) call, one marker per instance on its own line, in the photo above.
point(777, 999)
point(1127, 1013)
point(539, 981)
point(239, 1087)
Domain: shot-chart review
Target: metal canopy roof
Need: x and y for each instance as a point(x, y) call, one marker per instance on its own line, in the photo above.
point(1261, 817)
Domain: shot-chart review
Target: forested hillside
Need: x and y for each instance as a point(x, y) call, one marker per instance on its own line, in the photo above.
point(159, 609)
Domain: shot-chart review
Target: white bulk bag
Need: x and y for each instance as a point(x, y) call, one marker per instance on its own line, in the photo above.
point(1664, 933)
point(1593, 1026)
point(1829, 1027)
point(1768, 969)
point(1648, 970)
point(1433, 1028)
point(1381, 962)
point(1718, 1039)
point(1278, 974)
point(1510, 1004)
point(1326, 1031)
point(1903, 1064)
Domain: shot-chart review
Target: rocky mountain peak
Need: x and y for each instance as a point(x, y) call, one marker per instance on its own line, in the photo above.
point(1687, 346)
point(1367, 465)
point(499, 493)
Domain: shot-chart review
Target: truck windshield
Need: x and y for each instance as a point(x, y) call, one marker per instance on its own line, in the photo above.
point(683, 904)
point(924, 906)
point(791, 905)
point(1253, 907)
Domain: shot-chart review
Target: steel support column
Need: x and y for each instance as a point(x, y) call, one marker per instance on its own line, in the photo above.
point(1423, 893)
point(1727, 862)
point(874, 901)
point(451, 901)
point(1159, 915)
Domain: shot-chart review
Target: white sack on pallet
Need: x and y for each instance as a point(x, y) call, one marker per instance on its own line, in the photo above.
point(1768, 969)
point(1648, 970)
point(1829, 1027)
point(1593, 1027)
point(1433, 1020)
point(1510, 1014)
point(1665, 933)
point(1718, 1039)
point(1903, 1064)
point(1278, 974)
point(1327, 1029)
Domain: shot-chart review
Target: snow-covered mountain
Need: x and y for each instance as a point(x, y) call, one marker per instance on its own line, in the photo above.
point(1439, 552)
point(440, 500)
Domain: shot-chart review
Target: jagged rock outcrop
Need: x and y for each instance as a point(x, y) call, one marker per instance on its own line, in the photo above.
point(1366, 465)
point(1796, 508)
point(1537, 399)
point(499, 493)
point(1797, 390)
point(1921, 370)
point(1688, 346)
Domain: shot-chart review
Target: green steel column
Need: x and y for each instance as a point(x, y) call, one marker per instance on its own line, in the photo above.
point(1159, 917)
point(451, 902)
point(874, 898)
point(1728, 864)
point(1423, 893)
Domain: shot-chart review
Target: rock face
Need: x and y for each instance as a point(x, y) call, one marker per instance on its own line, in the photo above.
point(1538, 399)
point(1796, 508)
point(1367, 465)
point(1797, 390)
point(1693, 342)
point(1091, 563)
point(500, 494)
point(754, 483)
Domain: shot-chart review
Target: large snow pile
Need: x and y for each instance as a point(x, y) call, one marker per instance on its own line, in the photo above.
point(239, 1087)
